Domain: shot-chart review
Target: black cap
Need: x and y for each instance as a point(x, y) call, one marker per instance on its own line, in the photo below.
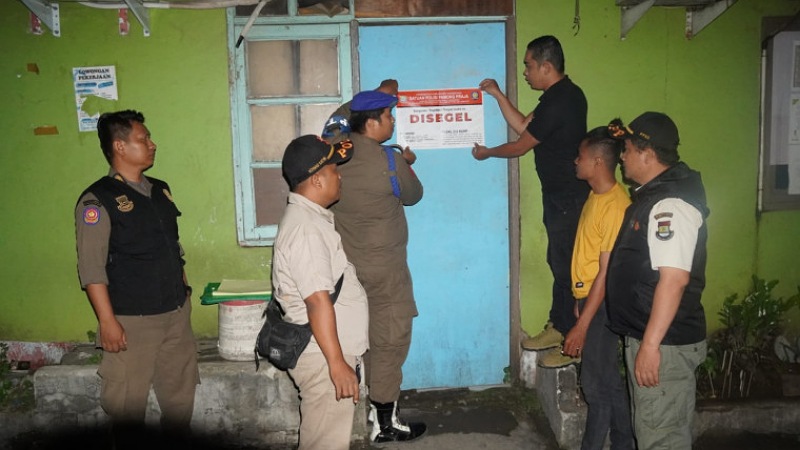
point(654, 127)
point(307, 154)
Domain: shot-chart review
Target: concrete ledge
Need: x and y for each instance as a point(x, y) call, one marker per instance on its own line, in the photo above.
point(759, 417)
point(234, 403)
point(561, 400)
point(560, 397)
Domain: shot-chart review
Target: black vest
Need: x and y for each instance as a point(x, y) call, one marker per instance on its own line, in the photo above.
point(631, 282)
point(144, 267)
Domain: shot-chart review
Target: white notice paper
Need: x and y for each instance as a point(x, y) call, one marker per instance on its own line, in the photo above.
point(440, 118)
point(100, 81)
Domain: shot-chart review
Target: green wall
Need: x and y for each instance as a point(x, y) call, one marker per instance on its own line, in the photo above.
point(710, 86)
point(178, 78)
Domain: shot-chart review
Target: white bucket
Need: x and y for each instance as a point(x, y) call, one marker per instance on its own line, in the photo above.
point(239, 324)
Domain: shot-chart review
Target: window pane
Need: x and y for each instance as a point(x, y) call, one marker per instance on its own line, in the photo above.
point(273, 128)
point(328, 8)
point(270, 68)
point(292, 68)
point(313, 117)
point(270, 193)
point(319, 67)
point(272, 8)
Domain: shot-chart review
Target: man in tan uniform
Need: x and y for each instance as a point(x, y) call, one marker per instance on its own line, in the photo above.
point(371, 220)
point(337, 127)
point(307, 262)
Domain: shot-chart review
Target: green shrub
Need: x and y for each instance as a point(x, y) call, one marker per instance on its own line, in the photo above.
point(743, 349)
point(16, 393)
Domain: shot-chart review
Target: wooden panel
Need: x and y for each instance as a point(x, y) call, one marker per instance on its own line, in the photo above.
point(433, 8)
point(668, 3)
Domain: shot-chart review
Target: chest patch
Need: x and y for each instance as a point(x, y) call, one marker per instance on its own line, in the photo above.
point(123, 204)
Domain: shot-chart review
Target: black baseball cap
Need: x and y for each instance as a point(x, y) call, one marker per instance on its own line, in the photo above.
point(307, 154)
point(654, 127)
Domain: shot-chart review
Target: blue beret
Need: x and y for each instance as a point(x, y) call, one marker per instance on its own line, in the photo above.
point(370, 100)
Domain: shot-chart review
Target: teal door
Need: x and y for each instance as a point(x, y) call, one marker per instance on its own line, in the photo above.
point(458, 233)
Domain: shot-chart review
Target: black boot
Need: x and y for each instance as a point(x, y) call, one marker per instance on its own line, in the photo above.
point(389, 427)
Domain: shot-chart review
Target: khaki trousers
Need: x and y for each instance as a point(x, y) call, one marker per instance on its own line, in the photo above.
point(162, 354)
point(663, 415)
point(325, 423)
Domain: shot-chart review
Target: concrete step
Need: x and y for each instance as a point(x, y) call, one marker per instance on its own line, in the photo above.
point(234, 403)
point(559, 394)
point(560, 397)
point(240, 406)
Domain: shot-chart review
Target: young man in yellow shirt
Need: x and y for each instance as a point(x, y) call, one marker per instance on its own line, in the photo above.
point(590, 338)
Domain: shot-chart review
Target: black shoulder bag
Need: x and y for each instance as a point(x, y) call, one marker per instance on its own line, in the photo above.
point(280, 342)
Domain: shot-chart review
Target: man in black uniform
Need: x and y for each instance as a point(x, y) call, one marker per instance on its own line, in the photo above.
point(554, 131)
point(656, 276)
point(130, 264)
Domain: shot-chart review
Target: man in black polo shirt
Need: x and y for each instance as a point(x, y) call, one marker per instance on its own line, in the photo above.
point(554, 131)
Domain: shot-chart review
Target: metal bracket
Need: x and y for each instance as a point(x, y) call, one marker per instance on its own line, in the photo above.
point(47, 13)
point(699, 13)
point(631, 14)
point(697, 19)
point(141, 14)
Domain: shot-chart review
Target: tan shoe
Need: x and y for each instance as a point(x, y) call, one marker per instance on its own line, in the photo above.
point(554, 359)
point(548, 338)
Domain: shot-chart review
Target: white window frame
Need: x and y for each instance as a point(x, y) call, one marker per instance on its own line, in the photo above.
point(779, 87)
point(249, 233)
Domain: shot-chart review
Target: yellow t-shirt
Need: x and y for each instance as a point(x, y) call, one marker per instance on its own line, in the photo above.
point(601, 219)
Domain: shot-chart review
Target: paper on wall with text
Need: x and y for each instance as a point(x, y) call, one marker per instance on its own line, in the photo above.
point(440, 118)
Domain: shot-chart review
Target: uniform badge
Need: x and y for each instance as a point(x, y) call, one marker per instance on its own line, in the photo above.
point(91, 215)
point(664, 231)
point(168, 195)
point(123, 204)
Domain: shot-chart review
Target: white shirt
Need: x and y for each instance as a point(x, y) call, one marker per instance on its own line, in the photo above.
point(308, 257)
point(672, 234)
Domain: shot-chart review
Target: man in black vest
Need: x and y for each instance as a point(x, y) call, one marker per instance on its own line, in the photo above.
point(130, 264)
point(656, 276)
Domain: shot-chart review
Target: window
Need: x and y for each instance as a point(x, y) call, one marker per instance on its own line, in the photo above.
point(780, 158)
point(288, 75)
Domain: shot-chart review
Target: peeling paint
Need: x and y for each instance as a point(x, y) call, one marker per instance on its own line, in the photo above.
point(38, 354)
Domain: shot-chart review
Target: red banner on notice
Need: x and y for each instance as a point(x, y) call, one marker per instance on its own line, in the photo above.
point(441, 97)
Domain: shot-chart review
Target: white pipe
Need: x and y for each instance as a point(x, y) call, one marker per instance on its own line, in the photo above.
point(250, 21)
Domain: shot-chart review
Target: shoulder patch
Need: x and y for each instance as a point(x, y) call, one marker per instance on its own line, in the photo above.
point(91, 215)
point(664, 231)
point(92, 202)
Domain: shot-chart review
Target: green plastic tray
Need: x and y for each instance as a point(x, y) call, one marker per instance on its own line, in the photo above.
point(208, 297)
